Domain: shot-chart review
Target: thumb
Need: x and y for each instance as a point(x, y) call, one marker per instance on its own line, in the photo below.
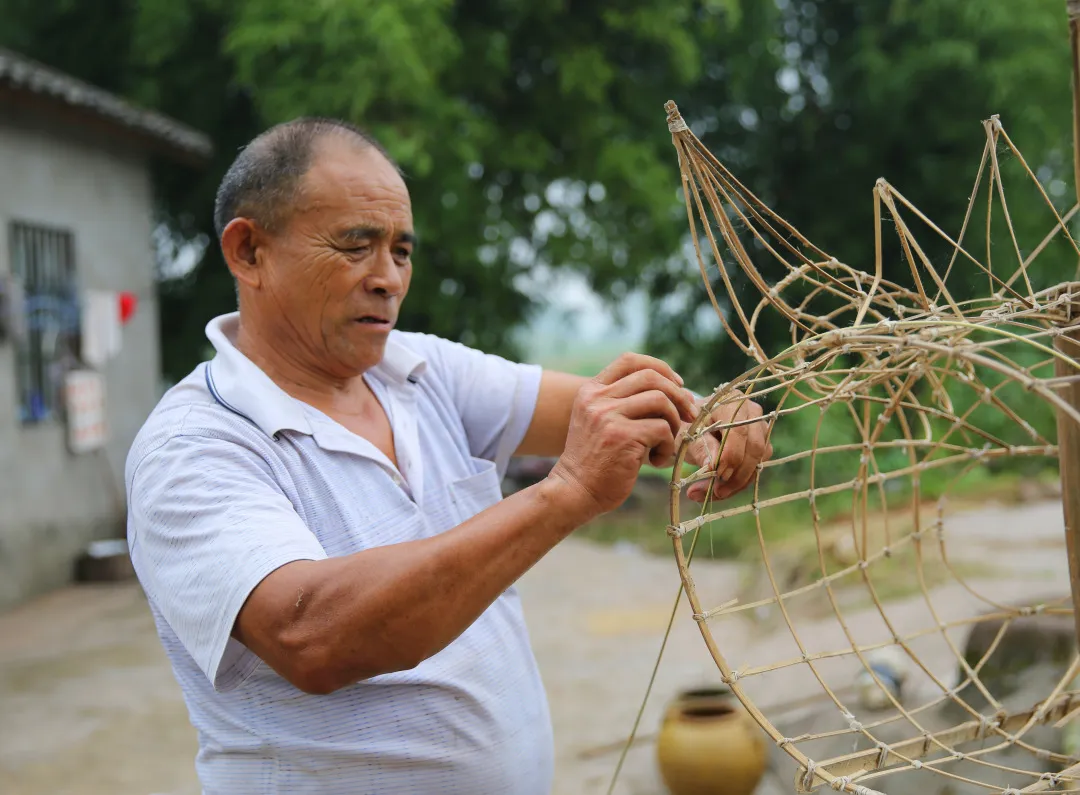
point(697, 491)
point(705, 451)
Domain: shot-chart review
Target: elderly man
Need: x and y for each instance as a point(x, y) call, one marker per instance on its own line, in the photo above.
point(316, 517)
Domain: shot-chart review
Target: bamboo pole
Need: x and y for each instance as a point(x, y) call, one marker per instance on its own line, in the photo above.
point(1074, 39)
point(1068, 343)
point(1069, 461)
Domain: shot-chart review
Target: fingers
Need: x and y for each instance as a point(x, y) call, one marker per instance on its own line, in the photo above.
point(648, 408)
point(631, 412)
point(697, 492)
point(651, 405)
point(738, 479)
point(742, 448)
point(755, 449)
point(704, 452)
point(651, 380)
point(633, 362)
point(734, 449)
point(657, 440)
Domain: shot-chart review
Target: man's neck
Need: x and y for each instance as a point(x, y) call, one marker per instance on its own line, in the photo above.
point(330, 394)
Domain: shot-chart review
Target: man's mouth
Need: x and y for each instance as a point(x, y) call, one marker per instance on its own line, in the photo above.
point(376, 321)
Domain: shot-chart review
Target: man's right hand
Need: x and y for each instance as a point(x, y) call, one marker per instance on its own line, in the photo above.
point(631, 412)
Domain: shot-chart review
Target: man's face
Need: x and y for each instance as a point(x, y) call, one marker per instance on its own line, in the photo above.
point(337, 271)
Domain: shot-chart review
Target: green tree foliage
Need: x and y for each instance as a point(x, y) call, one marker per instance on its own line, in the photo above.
point(532, 133)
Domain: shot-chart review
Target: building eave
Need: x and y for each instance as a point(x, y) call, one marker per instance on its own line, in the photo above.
point(23, 76)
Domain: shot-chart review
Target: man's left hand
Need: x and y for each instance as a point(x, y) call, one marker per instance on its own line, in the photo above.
point(734, 453)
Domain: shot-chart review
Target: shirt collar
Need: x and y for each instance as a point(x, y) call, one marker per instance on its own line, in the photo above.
point(242, 387)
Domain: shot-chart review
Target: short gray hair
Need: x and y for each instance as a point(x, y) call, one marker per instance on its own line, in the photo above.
point(263, 180)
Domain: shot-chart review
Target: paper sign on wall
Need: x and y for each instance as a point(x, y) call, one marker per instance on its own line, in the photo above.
point(84, 401)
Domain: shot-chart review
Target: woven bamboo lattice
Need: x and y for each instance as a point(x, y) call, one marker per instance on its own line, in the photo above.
point(894, 396)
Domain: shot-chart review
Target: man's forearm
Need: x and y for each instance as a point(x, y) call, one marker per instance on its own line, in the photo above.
point(326, 624)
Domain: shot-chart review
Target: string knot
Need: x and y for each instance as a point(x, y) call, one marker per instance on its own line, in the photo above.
point(985, 725)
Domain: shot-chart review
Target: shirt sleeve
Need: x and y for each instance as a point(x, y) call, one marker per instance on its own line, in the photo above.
point(495, 398)
point(206, 523)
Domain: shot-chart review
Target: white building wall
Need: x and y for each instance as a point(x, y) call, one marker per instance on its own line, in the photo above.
point(53, 502)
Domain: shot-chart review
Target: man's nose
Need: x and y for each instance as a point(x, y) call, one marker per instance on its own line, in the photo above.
point(385, 277)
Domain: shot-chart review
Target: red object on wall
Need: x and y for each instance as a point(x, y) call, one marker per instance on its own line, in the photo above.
point(128, 303)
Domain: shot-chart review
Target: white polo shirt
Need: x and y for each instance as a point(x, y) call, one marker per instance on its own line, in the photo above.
point(231, 478)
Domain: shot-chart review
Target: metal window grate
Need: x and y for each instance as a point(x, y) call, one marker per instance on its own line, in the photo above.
point(43, 261)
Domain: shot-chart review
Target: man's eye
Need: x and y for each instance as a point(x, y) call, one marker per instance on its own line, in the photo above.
point(403, 253)
point(355, 249)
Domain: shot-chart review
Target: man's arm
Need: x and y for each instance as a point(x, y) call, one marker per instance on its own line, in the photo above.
point(324, 624)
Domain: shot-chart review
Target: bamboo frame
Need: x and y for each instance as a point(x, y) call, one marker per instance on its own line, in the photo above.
point(913, 369)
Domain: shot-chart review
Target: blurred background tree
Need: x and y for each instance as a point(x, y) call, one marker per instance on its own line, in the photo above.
point(532, 134)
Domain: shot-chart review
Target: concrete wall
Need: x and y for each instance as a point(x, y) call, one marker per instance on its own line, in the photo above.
point(51, 501)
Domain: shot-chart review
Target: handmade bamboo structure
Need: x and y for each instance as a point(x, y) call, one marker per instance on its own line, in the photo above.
point(895, 381)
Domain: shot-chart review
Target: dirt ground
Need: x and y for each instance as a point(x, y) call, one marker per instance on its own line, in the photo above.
point(88, 705)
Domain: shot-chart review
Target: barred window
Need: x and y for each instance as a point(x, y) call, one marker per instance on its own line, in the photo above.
point(43, 261)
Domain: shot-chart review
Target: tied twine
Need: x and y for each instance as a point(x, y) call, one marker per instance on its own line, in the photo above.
point(675, 121)
point(844, 783)
point(1052, 778)
point(985, 726)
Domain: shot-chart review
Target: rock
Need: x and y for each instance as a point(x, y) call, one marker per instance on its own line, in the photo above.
point(1029, 641)
point(843, 549)
point(1037, 490)
point(890, 667)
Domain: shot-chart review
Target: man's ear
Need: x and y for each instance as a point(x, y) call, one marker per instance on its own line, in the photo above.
point(240, 243)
